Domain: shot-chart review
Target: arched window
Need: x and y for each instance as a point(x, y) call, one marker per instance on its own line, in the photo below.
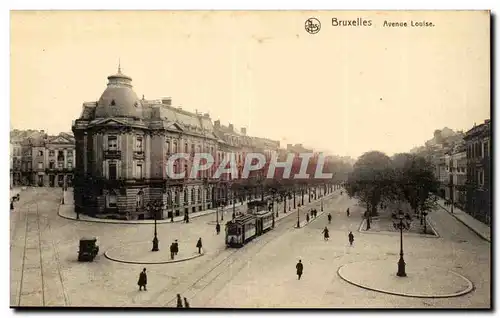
point(111, 199)
point(169, 198)
point(193, 198)
point(208, 194)
point(186, 196)
point(199, 194)
point(140, 200)
point(177, 197)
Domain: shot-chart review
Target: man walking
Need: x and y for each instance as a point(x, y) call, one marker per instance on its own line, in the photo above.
point(329, 218)
point(351, 238)
point(217, 228)
point(172, 250)
point(326, 233)
point(179, 301)
point(348, 213)
point(143, 280)
point(300, 268)
point(176, 247)
point(199, 245)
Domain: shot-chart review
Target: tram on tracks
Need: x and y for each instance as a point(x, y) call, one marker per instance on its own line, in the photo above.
point(246, 227)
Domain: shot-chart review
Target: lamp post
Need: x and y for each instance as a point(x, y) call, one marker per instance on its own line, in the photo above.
point(401, 221)
point(298, 218)
point(154, 207)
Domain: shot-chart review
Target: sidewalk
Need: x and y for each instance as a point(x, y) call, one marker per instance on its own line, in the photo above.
point(67, 211)
point(481, 229)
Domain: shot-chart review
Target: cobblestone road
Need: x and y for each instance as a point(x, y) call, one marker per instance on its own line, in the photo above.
point(262, 274)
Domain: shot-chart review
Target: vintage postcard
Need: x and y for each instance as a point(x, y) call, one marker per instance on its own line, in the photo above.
point(250, 159)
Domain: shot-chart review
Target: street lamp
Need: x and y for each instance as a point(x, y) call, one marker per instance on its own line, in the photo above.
point(401, 221)
point(154, 208)
point(298, 218)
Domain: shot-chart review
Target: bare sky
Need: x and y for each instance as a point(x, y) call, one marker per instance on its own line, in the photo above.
point(345, 89)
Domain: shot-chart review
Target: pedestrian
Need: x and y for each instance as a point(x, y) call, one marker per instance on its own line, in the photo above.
point(186, 218)
point(348, 213)
point(176, 247)
point(199, 245)
point(329, 218)
point(179, 301)
point(351, 238)
point(300, 268)
point(326, 233)
point(143, 280)
point(172, 250)
point(217, 228)
point(186, 304)
point(307, 217)
point(11, 204)
point(340, 192)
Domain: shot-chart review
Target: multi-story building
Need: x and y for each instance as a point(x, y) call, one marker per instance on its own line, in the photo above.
point(42, 160)
point(478, 150)
point(122, 146)
point(456, 166)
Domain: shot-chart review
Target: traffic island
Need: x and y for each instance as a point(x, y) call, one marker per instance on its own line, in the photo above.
point(140, 253)
point(422, 280)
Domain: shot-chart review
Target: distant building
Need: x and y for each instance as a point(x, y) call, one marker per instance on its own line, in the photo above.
point(456, 166)
point(478, 150)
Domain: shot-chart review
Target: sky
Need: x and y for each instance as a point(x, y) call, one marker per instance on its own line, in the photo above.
point(345, 90)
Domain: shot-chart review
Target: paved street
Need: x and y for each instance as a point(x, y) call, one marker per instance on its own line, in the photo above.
point(44, 270)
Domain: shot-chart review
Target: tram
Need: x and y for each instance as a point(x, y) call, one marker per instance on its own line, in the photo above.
point(246, 227)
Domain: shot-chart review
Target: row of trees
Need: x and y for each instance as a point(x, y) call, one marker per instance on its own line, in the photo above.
point(406, 178)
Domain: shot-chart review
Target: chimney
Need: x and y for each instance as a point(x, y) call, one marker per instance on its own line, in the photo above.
point(231, 127)
point(244, 131)
point(166, 101)
point(217, 123)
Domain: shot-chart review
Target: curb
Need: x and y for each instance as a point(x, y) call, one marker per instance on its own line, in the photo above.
point(465, 291)
point(467, 225)
point(153, 263)
point(396, 233)
point(135, 222)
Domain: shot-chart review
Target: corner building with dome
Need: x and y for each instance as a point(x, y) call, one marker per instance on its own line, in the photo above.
point(122, 145)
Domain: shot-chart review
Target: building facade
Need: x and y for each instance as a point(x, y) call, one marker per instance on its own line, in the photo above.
point(456, 166)
point(478, 152)
point(122, 146)
point(42, 160)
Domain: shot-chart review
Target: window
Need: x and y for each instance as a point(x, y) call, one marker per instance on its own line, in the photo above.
point(168, 146)
point(112, 143)
point(113, 103)
point(40, 152)
point(52, 153)
point(186, 196)
point(69, 153)
point(140, 200)
point(40, 165)
point(139, 171)
point(112, 171)
point(138, 144)
point(199, 195)
point(70, 165)
point(111, 200)
point(186, 147)
point(192, 196)
point(485, 149)
point(208, 195)
point(60, 164)
point(51, 165)
point(174, 147)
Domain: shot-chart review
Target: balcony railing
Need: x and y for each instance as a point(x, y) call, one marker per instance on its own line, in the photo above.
point(112, 154)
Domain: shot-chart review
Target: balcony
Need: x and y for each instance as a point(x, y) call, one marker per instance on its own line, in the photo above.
point(112, 154)
point(139, 155)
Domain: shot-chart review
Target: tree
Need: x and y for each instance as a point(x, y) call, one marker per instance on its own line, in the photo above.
point(370, 180)
point(414, 183)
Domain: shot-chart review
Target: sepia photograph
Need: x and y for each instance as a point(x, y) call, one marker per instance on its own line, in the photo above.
point(250, 159)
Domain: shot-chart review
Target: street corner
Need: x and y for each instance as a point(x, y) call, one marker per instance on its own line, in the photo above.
point(422, 281)
point(141, 253)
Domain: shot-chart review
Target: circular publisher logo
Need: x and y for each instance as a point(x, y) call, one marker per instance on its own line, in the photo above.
point(312, 25)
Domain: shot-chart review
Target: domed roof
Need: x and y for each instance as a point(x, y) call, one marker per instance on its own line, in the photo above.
point(119, 99)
